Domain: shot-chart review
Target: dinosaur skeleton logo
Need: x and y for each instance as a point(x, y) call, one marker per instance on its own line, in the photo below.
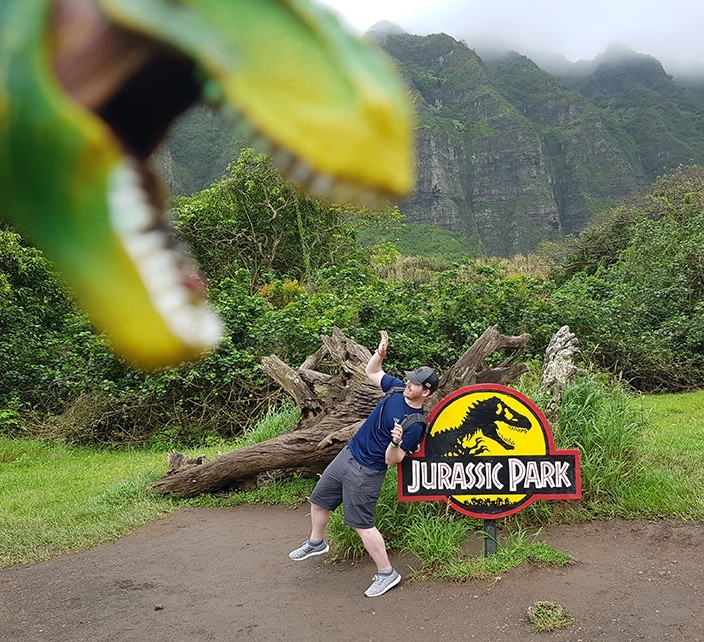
point(489, 452)
point(490, 418)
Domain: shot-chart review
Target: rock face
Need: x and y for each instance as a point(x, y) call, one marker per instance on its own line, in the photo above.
point(508, 153)
point(505, 153)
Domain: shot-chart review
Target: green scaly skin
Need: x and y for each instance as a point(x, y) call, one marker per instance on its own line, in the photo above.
point(335, 115)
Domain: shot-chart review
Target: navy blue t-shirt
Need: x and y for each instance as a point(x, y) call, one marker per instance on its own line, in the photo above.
point(368, 445)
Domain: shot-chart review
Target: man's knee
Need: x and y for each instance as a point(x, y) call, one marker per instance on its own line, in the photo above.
point(367, 533)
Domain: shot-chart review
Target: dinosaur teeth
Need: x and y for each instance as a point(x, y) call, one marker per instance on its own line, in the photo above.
point(300, 172)
point(345, 192)
point(135, 213)
point(144, 245)
point(165, 273)
point(262, 144)
point(322, 184)
point(328, 187)
point(282, 159)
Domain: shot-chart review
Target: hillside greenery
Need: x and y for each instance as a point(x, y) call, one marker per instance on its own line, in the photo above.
point(661, 116)
point(510, 153)
point(286, 268)
point(633, 288)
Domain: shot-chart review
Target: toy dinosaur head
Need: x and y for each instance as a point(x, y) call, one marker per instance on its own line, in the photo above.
point(89, 87)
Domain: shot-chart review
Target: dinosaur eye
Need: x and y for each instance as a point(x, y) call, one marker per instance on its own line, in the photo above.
point(503, 411)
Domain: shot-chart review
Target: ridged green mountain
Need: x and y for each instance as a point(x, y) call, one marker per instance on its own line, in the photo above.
point(508, 153)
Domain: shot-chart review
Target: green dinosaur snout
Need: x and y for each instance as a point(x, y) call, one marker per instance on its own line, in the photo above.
point(89, 87)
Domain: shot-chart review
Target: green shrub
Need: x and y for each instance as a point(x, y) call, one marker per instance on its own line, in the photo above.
point(633, 290)
point(600, 419)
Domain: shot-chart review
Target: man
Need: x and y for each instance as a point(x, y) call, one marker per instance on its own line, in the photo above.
point(355, 476)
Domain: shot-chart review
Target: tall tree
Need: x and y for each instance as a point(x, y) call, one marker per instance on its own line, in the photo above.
point(256, 219)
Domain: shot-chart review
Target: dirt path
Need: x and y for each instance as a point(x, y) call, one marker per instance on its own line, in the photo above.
point(224, 574)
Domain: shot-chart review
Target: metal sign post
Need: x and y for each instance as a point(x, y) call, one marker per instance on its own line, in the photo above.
point(491, 543)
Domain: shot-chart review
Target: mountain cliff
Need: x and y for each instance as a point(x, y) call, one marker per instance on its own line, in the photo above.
point(505, 152)
point(509, 153)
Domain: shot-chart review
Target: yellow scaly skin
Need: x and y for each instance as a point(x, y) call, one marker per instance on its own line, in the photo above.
point(336, 116)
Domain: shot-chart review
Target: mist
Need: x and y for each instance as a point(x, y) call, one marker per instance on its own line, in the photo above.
point(669, 31)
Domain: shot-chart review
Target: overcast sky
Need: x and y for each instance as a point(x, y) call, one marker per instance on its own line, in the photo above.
point(670, 30)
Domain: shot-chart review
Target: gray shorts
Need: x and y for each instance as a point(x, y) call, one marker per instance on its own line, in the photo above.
point(345, 481)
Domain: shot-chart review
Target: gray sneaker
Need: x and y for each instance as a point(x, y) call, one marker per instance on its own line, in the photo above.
point(308, 550)
point(382, 583)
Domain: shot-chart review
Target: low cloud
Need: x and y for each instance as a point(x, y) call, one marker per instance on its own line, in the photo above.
point(669, 31)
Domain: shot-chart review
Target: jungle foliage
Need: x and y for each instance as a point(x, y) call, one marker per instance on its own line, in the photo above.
point(633, 288)
point(285, 268)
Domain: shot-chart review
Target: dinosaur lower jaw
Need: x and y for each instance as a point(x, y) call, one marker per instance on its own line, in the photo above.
point(510, 439)
point(175, 288)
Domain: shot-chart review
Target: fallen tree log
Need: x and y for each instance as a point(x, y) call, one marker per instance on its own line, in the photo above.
point(333, 406)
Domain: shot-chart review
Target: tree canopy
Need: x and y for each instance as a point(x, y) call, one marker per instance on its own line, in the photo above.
point(284, 269)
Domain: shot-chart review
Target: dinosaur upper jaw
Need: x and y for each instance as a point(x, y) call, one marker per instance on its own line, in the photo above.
point(328, 107)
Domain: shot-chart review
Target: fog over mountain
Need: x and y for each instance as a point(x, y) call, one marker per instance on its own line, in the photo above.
point(549, 29)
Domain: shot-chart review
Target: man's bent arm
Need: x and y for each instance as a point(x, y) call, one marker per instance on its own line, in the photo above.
point(393, 455)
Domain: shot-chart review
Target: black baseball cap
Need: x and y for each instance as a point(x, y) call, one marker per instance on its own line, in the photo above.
point(424, 376)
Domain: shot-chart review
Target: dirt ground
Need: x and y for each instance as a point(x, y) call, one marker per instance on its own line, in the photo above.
point(224, 574)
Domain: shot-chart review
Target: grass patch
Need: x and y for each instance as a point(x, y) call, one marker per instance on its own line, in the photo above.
point(58, 498)
point(545, 617)
point(671, 482)
point(276, 421)
point(640, 459)
point(518, 549)
point(601, 420)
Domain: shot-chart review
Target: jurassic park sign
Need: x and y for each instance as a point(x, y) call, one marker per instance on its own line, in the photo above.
point(488, 452)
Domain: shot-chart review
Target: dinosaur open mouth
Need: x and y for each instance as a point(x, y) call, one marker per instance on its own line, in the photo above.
point(137, 87)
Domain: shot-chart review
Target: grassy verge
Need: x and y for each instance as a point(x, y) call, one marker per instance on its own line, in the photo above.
point(672, 477)
point(54, 498)
point(641, 459)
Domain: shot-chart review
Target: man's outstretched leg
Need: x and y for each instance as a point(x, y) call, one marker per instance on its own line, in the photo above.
point(315, 544)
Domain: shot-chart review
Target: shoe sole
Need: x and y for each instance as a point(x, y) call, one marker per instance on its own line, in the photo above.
point(390, 586)
point(313, 554)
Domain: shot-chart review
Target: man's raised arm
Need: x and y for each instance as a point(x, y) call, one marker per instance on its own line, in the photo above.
point(374, 365)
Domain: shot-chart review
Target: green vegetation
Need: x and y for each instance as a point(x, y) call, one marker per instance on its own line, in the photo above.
point(285, 269)
point(641, 459)
point(82, 436)
point(418, 239)
point(661, 118)
point(548, 616)
point(672, 480)
point(633, 288)
point(56, 498)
